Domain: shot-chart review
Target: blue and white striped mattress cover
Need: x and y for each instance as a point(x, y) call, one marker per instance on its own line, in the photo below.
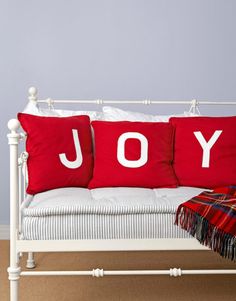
point(104, 213)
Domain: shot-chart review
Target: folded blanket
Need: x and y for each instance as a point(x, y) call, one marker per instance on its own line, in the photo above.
point(211, 218)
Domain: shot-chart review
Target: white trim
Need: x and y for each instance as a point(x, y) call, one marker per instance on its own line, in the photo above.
point(194, 103)
point(141, 102)
point(4, 232)
point(87, 245)
point(100, 272)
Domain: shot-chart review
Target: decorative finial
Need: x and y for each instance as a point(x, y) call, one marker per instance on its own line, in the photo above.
point(13, 125)
point(32, 94)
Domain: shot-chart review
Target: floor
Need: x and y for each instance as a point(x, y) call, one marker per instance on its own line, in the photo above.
point(117, 288)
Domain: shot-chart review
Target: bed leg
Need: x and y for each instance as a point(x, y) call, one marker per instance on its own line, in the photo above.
point(30, 264)
point(14, 276)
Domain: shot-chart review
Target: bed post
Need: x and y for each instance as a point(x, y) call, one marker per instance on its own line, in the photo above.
point(30, 263)
point(14, 270)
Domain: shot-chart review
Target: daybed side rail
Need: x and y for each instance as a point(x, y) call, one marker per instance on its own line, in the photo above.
point(117, 245)
point(175, 272)
point(194, 103)
point(51, 101)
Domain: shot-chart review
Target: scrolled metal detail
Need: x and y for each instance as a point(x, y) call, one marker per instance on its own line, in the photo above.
point(23, 158)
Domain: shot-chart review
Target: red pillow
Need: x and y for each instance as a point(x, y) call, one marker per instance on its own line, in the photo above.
point(60, 151)
point(205, 151)
point(133, 154)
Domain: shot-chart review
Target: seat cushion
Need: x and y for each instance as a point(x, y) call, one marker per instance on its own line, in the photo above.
point(104, 213)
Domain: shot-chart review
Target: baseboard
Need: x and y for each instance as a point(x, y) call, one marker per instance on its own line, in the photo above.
point(4, 232)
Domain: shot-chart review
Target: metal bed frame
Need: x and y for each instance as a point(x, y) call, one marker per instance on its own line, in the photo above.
point(18, 246)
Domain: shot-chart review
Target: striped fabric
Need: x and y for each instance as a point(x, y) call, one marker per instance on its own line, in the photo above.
point(89, 209)
point(102, 226)
point(107, 213)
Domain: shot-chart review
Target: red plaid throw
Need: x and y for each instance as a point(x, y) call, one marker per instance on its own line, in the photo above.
point(211, 218)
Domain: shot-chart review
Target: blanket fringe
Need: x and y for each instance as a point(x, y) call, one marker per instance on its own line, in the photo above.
point(206, 233)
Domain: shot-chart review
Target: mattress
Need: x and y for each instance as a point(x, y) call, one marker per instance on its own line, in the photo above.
point(104, 213)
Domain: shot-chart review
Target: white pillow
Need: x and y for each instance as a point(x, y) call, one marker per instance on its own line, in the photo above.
point(115, 114)
point(33, 109)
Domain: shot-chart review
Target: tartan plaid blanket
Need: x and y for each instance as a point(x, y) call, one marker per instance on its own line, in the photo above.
point(211, 218)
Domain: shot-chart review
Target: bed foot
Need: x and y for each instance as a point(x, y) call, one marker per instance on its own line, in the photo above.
point(30, 264)
point(14, 276)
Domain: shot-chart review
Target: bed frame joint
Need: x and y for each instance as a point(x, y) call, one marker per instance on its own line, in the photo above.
point(175, 272)
point(97, 273)
point(14, 273)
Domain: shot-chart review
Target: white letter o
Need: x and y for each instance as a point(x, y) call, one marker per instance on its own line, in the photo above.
point(121, 150)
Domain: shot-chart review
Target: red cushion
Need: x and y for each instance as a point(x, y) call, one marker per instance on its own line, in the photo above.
point(205, 151)
point(133, 154)
point(55, 151)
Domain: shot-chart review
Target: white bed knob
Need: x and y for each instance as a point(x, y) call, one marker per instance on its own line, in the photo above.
point(33, 94)
point(13, 125)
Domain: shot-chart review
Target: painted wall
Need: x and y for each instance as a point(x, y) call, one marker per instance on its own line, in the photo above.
point(133, 49)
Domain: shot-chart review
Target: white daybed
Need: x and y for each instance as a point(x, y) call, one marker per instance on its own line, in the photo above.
point(102, 219)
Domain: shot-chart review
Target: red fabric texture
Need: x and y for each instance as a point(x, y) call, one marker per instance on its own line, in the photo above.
point(155, 172)
point(47, 137)
point(226, 190)
point(188, 151)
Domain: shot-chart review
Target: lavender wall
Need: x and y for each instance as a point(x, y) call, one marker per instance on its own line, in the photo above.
point(136, 49)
